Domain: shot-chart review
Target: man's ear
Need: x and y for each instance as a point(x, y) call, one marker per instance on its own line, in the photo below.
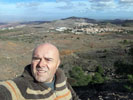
point(58, 63)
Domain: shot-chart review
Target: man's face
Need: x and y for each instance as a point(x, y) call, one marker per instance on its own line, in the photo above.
point(45, 61)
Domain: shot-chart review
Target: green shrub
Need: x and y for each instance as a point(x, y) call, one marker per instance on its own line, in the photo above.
point(105, 50)
point(97, 79)
point(123, 68)
point(82, 79)
point(129, 88)
point(78, 74)
point(100, 70)
point(130, 32)
point(129, 85)
point(130, 78)
point(125, 41)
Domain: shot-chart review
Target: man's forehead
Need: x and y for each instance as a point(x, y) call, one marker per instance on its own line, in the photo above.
point(46, 50)
point(44, 53)
point(47, 46)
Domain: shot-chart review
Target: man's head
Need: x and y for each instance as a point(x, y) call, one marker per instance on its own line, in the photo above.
point(45, 61)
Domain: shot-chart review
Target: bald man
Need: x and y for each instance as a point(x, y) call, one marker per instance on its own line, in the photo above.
point(41, 80)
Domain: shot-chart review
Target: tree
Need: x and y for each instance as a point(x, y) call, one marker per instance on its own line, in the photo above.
point(78, 74)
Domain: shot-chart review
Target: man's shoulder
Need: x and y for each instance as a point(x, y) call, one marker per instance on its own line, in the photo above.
point(59, 70)
point(4, 93)
point(19, 81)
point(13, 83)
point(12, 87)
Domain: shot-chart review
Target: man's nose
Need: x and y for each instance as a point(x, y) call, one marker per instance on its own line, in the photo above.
point(42, 63)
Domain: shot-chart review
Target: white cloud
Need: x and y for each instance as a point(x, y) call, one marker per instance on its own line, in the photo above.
point(112, 5)
point(67, 4)
point(67, 1)
point(103, 5)
point(126, 5)
point(126, 1)
point(28, 4)
point(99, 1)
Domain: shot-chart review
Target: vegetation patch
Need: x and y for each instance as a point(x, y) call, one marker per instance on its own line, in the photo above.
point(125, 69)
point(83, 79)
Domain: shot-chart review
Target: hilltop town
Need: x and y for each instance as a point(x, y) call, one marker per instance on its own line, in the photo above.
point(88, 28)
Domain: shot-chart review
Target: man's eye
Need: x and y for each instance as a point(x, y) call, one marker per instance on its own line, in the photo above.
point(36, 58)
point(48, 59)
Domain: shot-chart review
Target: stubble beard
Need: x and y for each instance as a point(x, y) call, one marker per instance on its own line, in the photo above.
point(43, 77)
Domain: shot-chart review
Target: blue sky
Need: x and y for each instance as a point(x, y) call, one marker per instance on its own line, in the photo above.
point(35, 10)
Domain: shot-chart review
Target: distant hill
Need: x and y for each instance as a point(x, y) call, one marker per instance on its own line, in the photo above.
point(3, 23)
point(68, 22)
point(72, 21)
point(128, 23)
point(35, 22)
point(119, 22)
point(88, 20)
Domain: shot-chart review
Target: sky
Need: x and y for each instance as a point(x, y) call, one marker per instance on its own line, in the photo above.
point(47, 10)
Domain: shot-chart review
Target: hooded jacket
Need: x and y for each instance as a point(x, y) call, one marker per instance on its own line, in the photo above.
point(26, 87)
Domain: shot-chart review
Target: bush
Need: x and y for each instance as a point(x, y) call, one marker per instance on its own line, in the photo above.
point(100, 70)
point(78, 74)
point(130, 32)
point(129, 85)
point(81, 79)
point(123, 68)
point(126, 69)
point(130, 78)
point(97, 79)
point(125, 41)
